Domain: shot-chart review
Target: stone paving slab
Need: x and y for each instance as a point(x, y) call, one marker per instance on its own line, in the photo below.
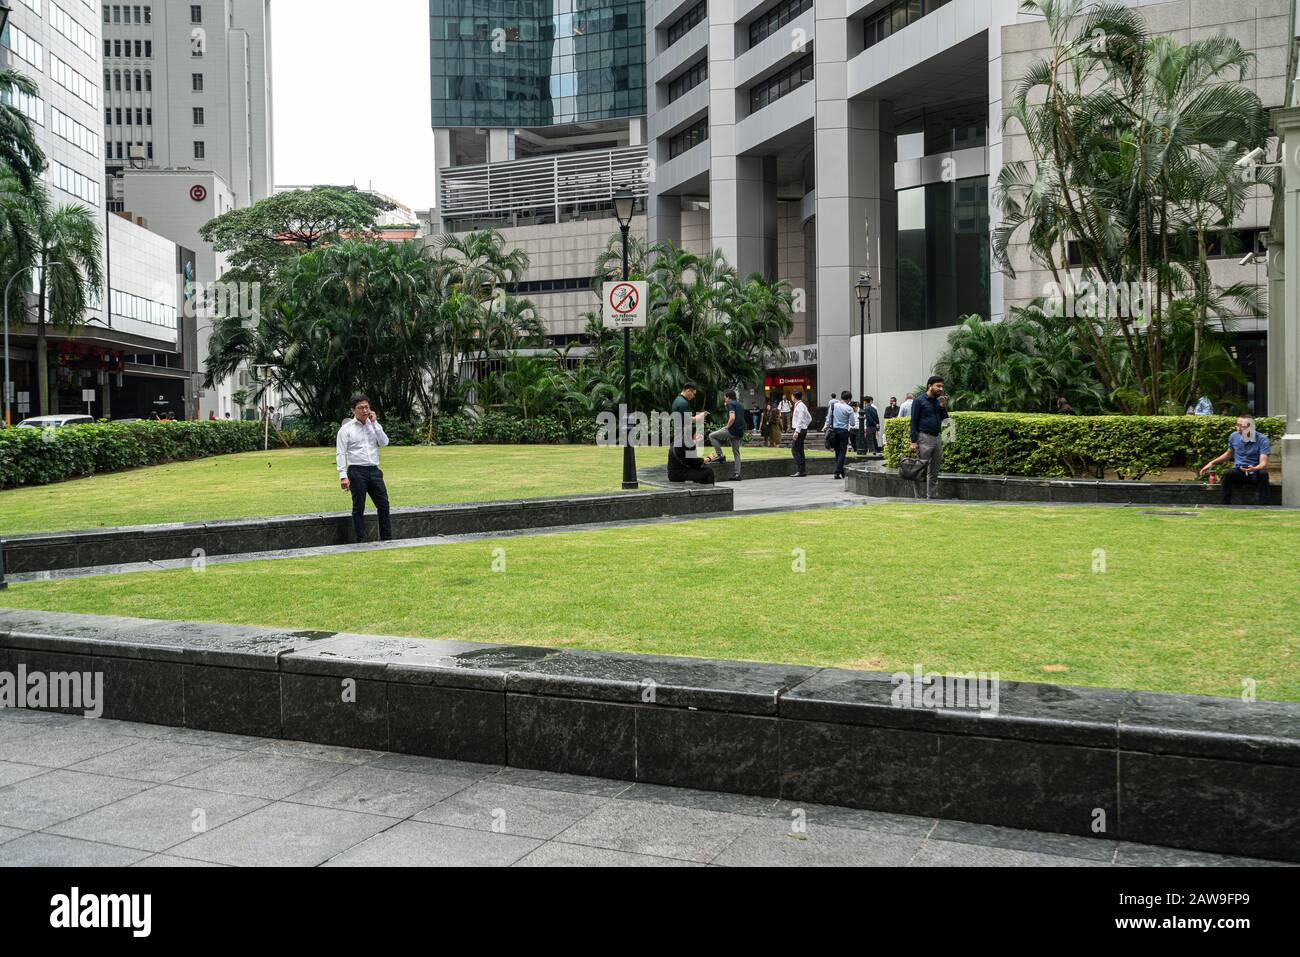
point(262, 803)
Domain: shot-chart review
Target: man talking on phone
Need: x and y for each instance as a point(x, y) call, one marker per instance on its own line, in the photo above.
point(356, 452)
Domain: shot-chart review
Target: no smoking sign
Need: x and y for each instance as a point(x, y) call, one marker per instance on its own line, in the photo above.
point(623, 305)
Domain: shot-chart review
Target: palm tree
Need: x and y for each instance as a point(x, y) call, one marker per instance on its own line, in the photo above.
point(18, 149)
point(67, 255)
point(18, 240)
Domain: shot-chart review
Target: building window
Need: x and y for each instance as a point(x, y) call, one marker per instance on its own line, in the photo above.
point(198, 116)
point(148, 116)
point(196, 13)
point(775, 19)
point(117, 14)
point(117, 116)
point(108, 116)
point(106, 13)
point(117, 80)
point(942, 253)
point(108, 48)
point(148, 81)
point(138, 45)
point(683, 24)
point(895, 16)
point(148, 14)
point(117, 47)
point(781, 84)
point(138, 85)
point(198, 149)
point(690, 137)
point(148, 48)
point(196, 82)
point(135, 13)
point(149, 145)
point(108, 82)
point(688, 80)
point(139, 116)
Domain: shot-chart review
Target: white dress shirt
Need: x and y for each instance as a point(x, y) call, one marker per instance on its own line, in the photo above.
point(802, 417)
point(905, 411)
point(784, 406)
point(358, 444)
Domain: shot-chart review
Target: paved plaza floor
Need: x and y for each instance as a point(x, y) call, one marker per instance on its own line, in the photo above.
point(82, 792)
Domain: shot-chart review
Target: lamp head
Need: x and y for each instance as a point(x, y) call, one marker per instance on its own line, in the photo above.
point(624, 201)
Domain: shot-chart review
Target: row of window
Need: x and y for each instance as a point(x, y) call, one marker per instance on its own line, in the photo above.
point(70, 28)
point(897, 15)
point(70, 181)
point(688, 80)
point(690, 137)
point(143, 117)
point(114, 81)
point(34, 5)
point(122, 48)
point(24, 47)
point(605, 18)
point(781, 84)
point(74, 82)
point(124, 14)
point(32, 107)
point(552, 285)
point(80, 136)
point(122, 150)
point(128, 306)
point(775, 19)
point(688, 20)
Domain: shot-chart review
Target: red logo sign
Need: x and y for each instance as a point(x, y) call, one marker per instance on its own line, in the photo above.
point(198, 193)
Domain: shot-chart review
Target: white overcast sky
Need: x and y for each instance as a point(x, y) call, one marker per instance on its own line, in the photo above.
point(351, 88)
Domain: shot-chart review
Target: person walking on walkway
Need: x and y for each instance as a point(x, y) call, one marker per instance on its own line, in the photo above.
point(800, 422)
point(356, 453)
point(1249, 451)
point(732, 432)
point(871, 424)
point(785, 408)
point(838, 422)
point(928, 412)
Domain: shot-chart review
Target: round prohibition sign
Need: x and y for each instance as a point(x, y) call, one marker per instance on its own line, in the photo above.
point(624, 298)
point(198, 193)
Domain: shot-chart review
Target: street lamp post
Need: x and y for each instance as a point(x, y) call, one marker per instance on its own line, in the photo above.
point(863, 288)
point(9, 285)
point(624, 202)
point(264, 373)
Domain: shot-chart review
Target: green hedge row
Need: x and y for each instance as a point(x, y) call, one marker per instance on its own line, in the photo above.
point(41, 456)
point(1061, 446)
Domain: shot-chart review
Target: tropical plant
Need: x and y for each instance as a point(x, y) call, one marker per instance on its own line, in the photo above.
point(1134, 140)
point(19, 151)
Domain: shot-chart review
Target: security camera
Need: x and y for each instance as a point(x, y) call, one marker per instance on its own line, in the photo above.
point(1249, 259)
point(1251, 158)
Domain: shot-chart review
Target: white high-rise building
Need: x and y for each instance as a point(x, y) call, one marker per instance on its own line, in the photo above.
point(188, 86)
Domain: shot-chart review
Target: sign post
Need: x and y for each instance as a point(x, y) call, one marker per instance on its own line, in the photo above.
point(625, 304)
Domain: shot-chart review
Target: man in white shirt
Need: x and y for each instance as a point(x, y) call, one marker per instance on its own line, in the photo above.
point(801, 421)
point(905, 410)
point(784, 408)
point(356, 453)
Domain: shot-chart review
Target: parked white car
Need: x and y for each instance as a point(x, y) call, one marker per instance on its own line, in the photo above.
point(54, 421)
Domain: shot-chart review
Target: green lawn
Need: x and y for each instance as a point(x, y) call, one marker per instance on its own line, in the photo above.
point(292, 481)
point(1192, 604)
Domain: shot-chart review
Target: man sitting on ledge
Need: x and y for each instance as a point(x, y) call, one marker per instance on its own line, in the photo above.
point(1249, 451)
point(684, 463)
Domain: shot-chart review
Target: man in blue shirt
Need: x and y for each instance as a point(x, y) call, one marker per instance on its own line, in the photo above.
point(1249, 452)
point(928, 412)
point(733, 432)
point(838, 420)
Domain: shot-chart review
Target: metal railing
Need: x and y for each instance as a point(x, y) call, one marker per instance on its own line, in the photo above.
point(543, 187)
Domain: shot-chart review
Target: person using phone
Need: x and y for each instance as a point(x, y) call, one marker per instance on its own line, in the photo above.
point(927, 414)
point(1249, 449)
point(356, 453)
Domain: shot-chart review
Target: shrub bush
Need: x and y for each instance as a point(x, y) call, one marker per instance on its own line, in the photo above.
point(41, 456)
point(1063, 446)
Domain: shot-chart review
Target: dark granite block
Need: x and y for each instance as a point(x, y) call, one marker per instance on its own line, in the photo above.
point(454, 723)
point(78, 673)
point(1027, 490)
point(981, 488)
point(139, 690)
point(347, 712)
point(1260, 732)
point(882, 769)
point(31, 556)
point(1124, 492)
point(735, 686)
point(594, 738)
point(1028, 711)
point(236, 700)
point(1073, 491)
point(1028, 784)
point(1226, 806)
point(856, 697)
point(238, 537)
point(708, 751)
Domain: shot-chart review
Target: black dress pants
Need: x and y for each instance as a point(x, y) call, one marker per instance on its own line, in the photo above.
point(366, 480)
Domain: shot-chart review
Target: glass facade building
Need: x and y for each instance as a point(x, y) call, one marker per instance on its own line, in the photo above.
point(528, 63)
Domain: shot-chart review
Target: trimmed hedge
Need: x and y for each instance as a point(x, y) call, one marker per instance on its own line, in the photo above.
point(41, 456)
point(1065, 446)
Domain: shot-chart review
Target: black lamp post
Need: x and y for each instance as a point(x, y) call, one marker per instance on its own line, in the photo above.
point(624, 202)
point(863, 288)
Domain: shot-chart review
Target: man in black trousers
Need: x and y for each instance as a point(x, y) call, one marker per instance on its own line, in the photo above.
point(356, 453)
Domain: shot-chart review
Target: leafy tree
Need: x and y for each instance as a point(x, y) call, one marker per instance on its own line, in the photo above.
point(18, 148)
point(272, 232)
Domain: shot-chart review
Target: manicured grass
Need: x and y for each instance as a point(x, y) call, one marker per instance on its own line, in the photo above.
point(293, 481)
point(1184, 603)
